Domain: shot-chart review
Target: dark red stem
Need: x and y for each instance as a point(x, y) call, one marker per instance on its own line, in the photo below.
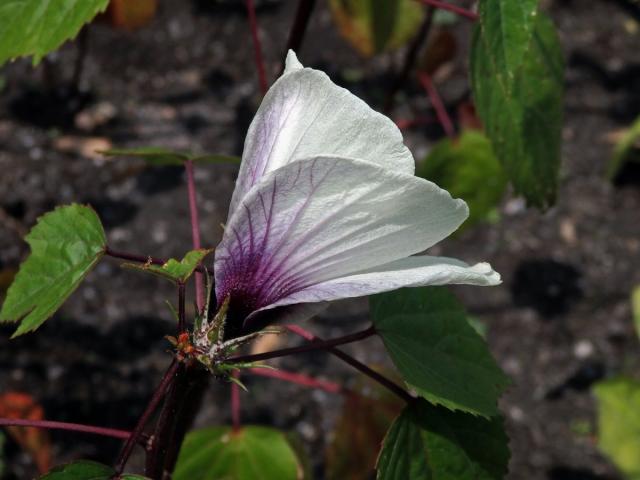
point(451, 8)
point(378, 377)
point(310, 347)
point(195, 229)
point(300, 23)
point(157, 396)
point(253, 24)
point(298, 379)
point(410, 58)
point(72, 427)
point(133, 257)
point(436, 103)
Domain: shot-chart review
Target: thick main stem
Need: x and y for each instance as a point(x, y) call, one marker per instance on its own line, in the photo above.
point(157, 396)
point(300, 24)
point(72, 427)
point(378, 377)
point(195, 229)
point(310, 347)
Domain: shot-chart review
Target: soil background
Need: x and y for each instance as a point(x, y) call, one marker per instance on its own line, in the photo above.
point(560, 321)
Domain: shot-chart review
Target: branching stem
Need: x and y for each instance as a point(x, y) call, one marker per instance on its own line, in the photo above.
point(253, 25)
point(451, 8)
point(195, 229)
point(134, 257)
point(72, 427)
point(436, 103)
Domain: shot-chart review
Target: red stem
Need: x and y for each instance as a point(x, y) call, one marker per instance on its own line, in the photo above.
point(72, 427)
point(235, 403)
point(316, 344)
point(298, 379)
point(134, 257)
point(451, 8)
point(253, 24)
point(195, 229)
point(366, 370)
point(157, 396)
point(438, 106)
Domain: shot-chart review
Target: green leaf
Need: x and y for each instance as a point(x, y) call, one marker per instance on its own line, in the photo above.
point(374, 26)
point(437, 352)
point(159, 156)
point(468, 169)
point(252, 453)
point(176, 271)
point(508, 28)
point(37, 27)
point(627, 149)
point(635, 308)
point(65, 244)
point(619, 423)
point(431, 443)
point(85, 470)
point(518, 91)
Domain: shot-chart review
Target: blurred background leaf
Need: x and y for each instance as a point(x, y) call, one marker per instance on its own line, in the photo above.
point(627, 149)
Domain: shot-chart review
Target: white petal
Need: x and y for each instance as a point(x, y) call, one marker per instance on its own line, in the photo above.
point(305, 115)
point(416, 271)
point(320, 219)
point(292, 63)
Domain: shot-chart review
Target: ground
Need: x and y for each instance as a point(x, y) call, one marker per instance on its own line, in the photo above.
point(560, 321)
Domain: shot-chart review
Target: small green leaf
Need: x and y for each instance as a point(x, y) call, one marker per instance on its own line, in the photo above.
point(159, 156)
point(176, 271)
point(85, 470)
point(635, 308)
point(252, 453)
point(438, 353)
point(374, 26)
point(619, 423)
point(627, 149)
point(432, 443)
point(65, 245)
point(518, 91)
point(468, 169)
point(37, 27)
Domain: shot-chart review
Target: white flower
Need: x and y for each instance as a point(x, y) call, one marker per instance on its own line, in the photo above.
point(327, 206)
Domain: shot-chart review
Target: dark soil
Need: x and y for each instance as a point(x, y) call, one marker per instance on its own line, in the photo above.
point(560, 321)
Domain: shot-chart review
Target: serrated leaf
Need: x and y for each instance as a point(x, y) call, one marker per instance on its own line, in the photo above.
point(619, 423)
point(252, 453)
point(519, 96)
point(432, 443)
point(174, 270)
point(86, 470)
point(468, 169)
point(435, 349)
point(66, 243)
point(159, 156)
point(374, 26)
point(37, 27)
point(624, 150)
point(508, 28)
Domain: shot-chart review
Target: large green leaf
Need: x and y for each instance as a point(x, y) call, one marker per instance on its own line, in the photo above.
point(36, 27)
point(252, 453)
point(373, 26)
point(85, 470)
point(174, 270)
point(432, 443)
point(519, 97)
point(438, 353)
point(160, 156)
point(65, 245)
point(619, 423)
point(468, 169)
